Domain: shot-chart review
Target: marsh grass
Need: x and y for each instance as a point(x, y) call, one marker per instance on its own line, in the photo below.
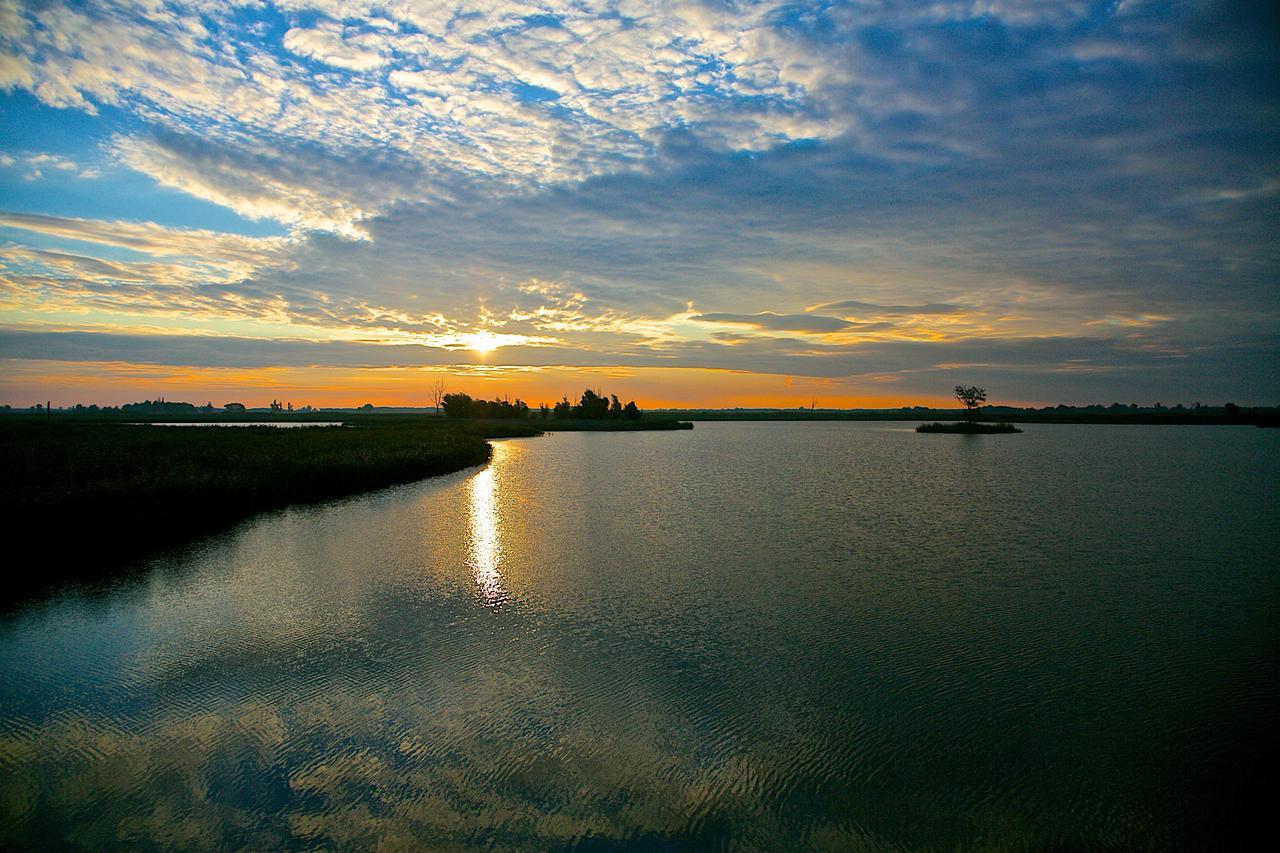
point(77, 490)
point(966, 428)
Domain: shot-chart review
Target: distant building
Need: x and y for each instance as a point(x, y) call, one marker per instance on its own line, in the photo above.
point(234, 407)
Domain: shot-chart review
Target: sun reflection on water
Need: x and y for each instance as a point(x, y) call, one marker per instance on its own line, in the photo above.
point(484, 551)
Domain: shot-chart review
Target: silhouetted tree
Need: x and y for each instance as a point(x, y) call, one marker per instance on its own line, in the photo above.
point(462, 406)
point(971, 398)
point(592, 406)
point(630, 410)
point(159, 406)
point(456, 405)
point(437, 392)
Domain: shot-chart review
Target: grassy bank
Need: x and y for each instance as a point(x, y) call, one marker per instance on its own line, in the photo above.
point(79, 492)
point(965, 428)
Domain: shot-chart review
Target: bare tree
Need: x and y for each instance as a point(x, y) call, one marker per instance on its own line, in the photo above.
point(437, 392)
point(971, 398)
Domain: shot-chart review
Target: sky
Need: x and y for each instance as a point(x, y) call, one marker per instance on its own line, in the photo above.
point(861, 203)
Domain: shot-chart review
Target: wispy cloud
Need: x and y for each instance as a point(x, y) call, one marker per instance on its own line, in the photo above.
point(39, 165)
point(777, 322)
point(857, 308)
point(151, 238)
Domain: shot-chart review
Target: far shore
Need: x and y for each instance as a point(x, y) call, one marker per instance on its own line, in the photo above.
point(1263, 417)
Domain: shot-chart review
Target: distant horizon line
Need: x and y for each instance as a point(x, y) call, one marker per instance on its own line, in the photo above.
point(305, 408)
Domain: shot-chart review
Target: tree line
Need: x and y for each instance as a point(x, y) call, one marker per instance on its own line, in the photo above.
point(592, 406)
point(460, 405)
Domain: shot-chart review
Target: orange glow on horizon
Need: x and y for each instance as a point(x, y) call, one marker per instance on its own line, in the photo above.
point(26, 383)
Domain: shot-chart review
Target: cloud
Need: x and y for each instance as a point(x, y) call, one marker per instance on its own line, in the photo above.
point(34, 166)
point(152, 239)
point(311, 190)
point(1078, 369)
point(453, 93)
point(856, 308)
point(329, 43)
point(777, 322)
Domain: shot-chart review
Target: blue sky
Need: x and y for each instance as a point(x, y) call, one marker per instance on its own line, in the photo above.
point(713, 203)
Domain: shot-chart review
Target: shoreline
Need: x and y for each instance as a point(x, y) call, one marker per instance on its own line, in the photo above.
point(90, 499)
point(1095, 419)
point(91, 496)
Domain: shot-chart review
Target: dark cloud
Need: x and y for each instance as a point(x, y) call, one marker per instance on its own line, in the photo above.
point(863, 309)
point(778, 322)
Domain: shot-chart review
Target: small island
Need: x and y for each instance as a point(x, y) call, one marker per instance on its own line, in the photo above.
point(964, 428)
point(971, 397)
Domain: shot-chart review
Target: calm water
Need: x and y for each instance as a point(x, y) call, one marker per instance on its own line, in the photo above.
point(839, 635)
point(274, 424)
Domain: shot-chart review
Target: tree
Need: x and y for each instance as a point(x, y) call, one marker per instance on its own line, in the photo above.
point(615, 408)
point(971, 398)
point(437, 392)
point(456, 405)
point(630, 410)
point(593, 406)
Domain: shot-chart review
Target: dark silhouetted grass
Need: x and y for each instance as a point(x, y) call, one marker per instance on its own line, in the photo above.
point(81, 490)
point(964, 428)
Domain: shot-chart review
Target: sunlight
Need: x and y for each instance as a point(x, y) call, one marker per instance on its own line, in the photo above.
point(483, 341)
point(485, 547)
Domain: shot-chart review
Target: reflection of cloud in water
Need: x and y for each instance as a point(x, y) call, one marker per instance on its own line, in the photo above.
point(358, 772)
point(484, 550)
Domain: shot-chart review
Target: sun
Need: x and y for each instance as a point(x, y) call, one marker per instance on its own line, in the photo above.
point(482, 341)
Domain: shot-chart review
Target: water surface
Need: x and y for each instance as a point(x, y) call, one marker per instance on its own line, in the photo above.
point(273, 424)
point(751, 635)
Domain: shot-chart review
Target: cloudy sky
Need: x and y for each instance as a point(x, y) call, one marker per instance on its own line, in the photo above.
point(693, 203)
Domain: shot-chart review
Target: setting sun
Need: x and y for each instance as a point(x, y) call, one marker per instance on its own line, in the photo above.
point(483, 341)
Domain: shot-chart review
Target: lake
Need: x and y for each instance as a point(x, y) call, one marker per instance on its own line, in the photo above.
point(825, 635)
point(273, 424)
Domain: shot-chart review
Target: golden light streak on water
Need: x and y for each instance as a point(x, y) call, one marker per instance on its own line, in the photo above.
point(484, 549)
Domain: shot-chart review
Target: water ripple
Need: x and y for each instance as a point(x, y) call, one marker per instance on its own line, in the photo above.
point(759, 636)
